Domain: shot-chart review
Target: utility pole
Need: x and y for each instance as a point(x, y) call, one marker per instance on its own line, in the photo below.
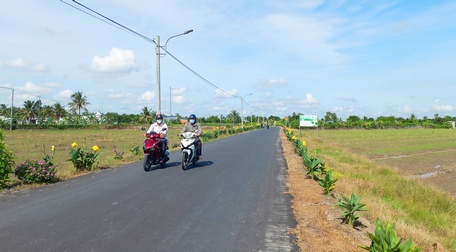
point(242, 109)
point(157, 93)
point(158, 52)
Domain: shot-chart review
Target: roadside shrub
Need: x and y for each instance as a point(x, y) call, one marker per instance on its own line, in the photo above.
point(314, 167)
point(34, 171)
point(6, 162)
point(385, 239)
point(135, 150)
point(350, 207)
point(82, 158)
point(327, 183)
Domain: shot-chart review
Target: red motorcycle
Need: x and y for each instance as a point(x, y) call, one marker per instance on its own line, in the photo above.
point(152, 152)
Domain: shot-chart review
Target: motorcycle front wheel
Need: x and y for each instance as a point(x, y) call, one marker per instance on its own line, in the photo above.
point(147, 164)
point(184, 160)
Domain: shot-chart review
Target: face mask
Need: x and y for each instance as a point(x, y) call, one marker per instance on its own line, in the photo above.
point(192, 121)
point(159, 121)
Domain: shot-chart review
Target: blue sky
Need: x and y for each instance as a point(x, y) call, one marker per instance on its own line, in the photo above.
point(364, 58)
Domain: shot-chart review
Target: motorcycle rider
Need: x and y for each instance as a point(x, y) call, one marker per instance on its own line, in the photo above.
point(160, 127)
point(194, 126)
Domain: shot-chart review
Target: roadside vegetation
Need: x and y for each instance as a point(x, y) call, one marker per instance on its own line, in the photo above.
point(417, 211)
point(403, 180)
point(47, 156)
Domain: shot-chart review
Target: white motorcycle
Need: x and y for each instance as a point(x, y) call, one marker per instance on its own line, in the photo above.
point(188, 149)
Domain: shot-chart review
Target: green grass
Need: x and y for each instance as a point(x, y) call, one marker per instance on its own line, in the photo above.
point(37, 143)
point(422, 212)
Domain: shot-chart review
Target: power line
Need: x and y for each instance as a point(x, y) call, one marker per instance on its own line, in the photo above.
point(126, 29)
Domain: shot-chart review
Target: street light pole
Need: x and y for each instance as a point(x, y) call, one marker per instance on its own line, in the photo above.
point(157, 92)
point(242, 109)
point(158, 53)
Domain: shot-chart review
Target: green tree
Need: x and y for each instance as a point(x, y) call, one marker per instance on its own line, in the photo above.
point(331, 117)
point(78, 102)
point(29, 112)
point(234, 116)
point(59, 111)
point(4, 110)
point(6, 161)
point(145, 115)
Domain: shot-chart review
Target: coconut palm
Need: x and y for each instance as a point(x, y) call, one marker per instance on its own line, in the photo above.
point(78, 102)
point(46, 111)
point(4, 109)
point(59, 111)
point(29, 111)
point(234, 116)
point(145, 114)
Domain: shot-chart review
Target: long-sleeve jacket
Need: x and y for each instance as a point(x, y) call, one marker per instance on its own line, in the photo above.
point(196, 127)
point(161, 129)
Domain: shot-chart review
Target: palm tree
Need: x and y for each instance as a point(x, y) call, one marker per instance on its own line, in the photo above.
point(233, 115)
point(59, 111)
point(78, 102)
point(30, 111)
point(145, 114)
point(3, 110)
point(46, 111)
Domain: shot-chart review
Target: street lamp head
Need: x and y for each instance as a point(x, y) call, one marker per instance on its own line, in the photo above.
point(187, 32)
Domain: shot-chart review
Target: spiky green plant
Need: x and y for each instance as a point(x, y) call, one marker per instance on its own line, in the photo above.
point(327, 183)
point(385, 239)
point(350, 208)
point(314, 167)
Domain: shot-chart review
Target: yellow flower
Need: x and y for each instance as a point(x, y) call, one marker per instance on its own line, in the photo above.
point(293, 137)
point(52, 148)
point(74, 144)
point(95, 148)
point(304, 143)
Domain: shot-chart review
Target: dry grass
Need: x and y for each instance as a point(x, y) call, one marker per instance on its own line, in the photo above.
point(319, 227)
point(372, 180)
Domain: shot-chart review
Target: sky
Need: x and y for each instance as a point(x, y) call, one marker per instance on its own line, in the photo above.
point(260, 58)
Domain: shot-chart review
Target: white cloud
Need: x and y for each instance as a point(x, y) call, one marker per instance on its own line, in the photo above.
point(227, 94)
point(178, 91)
point(406, 109)
point(65, 94)
point(274, 83)
point(111, 93)
point(147, 96)
point(442, 108)
point(308, 102)
point(305, 35)
point(20, 63)
point(179, 99)
point(118, 61)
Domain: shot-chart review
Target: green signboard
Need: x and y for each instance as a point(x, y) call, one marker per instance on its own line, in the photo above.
point(308, 121)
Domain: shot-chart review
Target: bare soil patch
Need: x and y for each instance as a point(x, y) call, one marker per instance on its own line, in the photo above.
point(319, 226)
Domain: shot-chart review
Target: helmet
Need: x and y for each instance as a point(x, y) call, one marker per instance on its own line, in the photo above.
point(159, 116)
point(192, 118)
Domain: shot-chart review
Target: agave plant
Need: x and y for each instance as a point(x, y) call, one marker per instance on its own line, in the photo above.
point(314, 167)
point(327, 183)
point(385, 239)
point(350, 207)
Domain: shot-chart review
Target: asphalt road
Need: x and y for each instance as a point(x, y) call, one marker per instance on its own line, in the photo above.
point(233, 200)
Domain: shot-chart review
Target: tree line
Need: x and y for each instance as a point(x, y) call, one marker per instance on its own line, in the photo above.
point(331, 121)
point(35, 113)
